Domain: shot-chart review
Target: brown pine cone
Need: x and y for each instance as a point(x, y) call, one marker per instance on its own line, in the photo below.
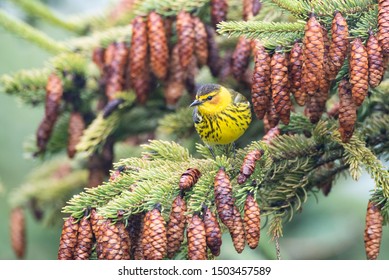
point(252, 221)
point(313, 51)
point(383, 25)
point(248, 9)
point(125, 240)
point(54, 92)
point(201, 41)
point(175, 86)
point(373, 231)
point(213, 232)
point(248, 165)
point(18, 231)
point(339, 45)
point(85, 240)
point(176, 226)
point(280, 86)
point(214, 61)
point(197, 245)
point(376, 60)
point(75, 130)
point(186, 38)
point(190, 77)
point(219, 9)
point(271, 118)
point(296, 60)
point(138, 60)
point(223, 198)
point(118, 65)
point(96, 221)
point(159, 51)
point(68, 240)
point(237, 231)
point(189, 178)
point(315, 106)
point(98, 57)
point(359, 71)
point(154, 240)
point(260, 89)
point(241, 58)
point(111, 243)
point(135, 230)
point(347, 111)
point(271, 134)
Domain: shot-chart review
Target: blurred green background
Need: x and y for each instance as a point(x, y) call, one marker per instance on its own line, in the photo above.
point(328, 227)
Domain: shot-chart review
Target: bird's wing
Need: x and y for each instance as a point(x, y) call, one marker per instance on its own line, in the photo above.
point(195, 116)
point(237, 97)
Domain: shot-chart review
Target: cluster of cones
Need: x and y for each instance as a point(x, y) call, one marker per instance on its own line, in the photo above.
point(311, 66)
point(147, 236)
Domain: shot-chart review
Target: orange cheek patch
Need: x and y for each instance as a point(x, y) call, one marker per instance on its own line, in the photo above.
point(215, 100)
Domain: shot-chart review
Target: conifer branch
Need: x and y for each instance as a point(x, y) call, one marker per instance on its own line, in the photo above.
point(41, 11)
point(18, 27)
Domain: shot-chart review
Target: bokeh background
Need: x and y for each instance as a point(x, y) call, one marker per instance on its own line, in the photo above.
point(327, 228)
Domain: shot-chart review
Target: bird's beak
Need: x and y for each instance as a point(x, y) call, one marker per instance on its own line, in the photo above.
point(196, 103)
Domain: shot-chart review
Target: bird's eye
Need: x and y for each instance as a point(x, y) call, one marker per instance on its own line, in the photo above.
point(209, 97)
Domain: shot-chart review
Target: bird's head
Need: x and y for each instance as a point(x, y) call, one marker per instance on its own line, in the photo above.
point(212, 98)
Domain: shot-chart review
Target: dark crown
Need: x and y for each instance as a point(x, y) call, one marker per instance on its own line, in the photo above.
point(207, 88)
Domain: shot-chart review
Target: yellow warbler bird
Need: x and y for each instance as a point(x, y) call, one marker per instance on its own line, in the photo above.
point(220, 115)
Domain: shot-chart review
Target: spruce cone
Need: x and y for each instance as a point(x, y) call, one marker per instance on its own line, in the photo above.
point(315, 106)
point(223, 198)
point(252, 221)
point(112, 242)
point(241, 58)
point(174, 87)
point(248, 9)
point(186, 38)
point(197, 246)
point(280, 87)
point(376, 60)
point(383, 25)
point(213, 232)
point(159, 51)
point(154, 240)
point(138, 60)
point(18, 232)
point(98, 58)
point(347, 111)
point(339, 45)
point(135, 230)
point(219, 9)
point(272, 118)
point(176, 226)
point(248, 165)
point(201, 41)
point(118, 65)
point(237, 231)
point(296, 61)
point(271, 134)
point(68, 240)
point(189, 178)
point(214, 61)
point(359, 71)
point(190, 77)
point(373, 231)
point(96, 221)
point(54, 92)
point(260, 89)
point(85, 240)
point(75, 130)
point(125, 240)
point(313, 50)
